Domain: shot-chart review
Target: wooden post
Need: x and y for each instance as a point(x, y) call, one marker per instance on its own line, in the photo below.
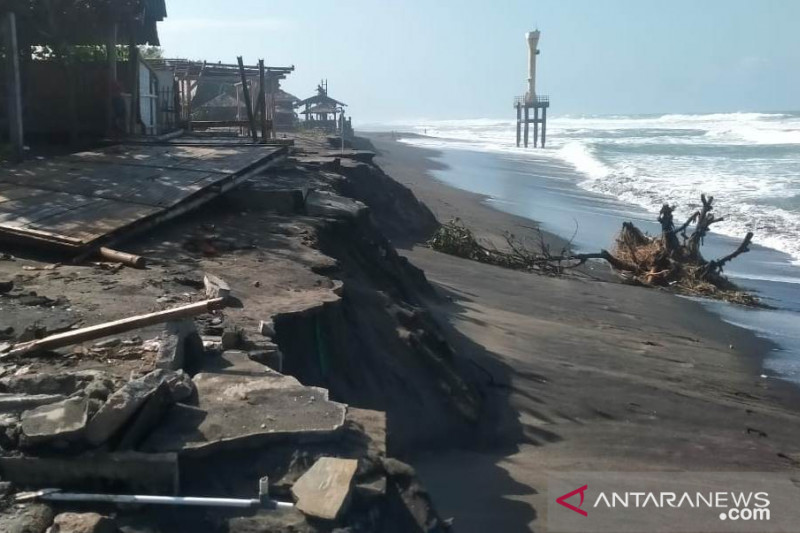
point(133, 58)
point(14, 88)
point(262, 100)
point(247, 102)
point(544, 124)
point(111, 77)
point(189, 88)
point(519, 122)
point(535, 125)
point(527, 117)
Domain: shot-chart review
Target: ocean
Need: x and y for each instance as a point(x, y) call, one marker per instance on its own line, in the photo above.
point(598, 171)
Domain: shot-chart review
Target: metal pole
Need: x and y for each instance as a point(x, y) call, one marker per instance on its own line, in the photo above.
point(15, 131)
point(535, 125)
point(519, 122)
point(153, 500)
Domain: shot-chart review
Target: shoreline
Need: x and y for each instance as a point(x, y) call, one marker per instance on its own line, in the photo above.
point(446, 202)
point(548, 192)
point(584, 375)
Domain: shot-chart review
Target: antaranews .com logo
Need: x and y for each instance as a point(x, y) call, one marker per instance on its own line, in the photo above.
point(672, 501)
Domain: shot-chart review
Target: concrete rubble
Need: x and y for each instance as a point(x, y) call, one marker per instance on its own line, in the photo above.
point(205, 406)
point(324, 490)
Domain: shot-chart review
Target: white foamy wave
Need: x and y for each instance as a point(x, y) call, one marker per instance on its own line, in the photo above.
point(748, 160)
point(584, 159)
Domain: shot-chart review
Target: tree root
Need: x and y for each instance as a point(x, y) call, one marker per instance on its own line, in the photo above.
point(671, 260)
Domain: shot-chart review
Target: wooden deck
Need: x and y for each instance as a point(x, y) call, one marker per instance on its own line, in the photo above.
point(90, 199)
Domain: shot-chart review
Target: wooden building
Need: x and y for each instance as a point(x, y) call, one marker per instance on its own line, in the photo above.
point(321, 111)
point(70, 70)
point(203, 92)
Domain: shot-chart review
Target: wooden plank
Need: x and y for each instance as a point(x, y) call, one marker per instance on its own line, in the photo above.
point(89, 200)
point(133, 184)
point(93, 219)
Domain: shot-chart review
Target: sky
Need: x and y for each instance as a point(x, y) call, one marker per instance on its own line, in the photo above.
point(458, 59)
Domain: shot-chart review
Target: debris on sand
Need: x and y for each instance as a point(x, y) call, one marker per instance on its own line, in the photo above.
point(671, 260)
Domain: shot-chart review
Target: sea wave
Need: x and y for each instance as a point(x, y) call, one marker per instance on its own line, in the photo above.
point(747, 159)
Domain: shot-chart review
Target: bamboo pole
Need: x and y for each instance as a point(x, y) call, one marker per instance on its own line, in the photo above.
point(98, 331)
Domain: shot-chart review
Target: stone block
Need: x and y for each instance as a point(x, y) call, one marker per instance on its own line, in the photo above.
point(64, 420)
point(82, 523)
point(324, 490)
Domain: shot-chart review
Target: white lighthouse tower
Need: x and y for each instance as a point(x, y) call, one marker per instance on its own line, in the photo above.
point(531, 100)
point(533, 51)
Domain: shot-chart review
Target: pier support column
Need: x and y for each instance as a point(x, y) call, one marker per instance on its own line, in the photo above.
point(519, 122)
point(535, 126)
point(527, 116)
point(544, 124)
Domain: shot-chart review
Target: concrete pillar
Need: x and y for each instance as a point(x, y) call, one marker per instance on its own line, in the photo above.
point(533, 50)
point(527, 117)
point(13, 87)
point(535, 126)
point(519, 122)
point(544, 124)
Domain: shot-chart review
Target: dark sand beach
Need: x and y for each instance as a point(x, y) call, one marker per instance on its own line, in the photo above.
point(584, 375)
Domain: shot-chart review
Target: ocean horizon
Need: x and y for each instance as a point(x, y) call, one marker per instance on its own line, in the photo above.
point(749, 161)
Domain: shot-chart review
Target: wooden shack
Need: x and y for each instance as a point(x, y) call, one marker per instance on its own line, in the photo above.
point(67, 64)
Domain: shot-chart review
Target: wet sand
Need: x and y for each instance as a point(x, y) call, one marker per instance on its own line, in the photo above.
point(584, 375)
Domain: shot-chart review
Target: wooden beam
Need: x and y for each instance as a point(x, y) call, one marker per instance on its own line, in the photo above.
point(247, 102)
point(262, 100)
point(13, 88)
point(98, 331)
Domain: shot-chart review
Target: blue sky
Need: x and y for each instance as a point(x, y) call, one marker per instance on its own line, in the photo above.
point(439, 59)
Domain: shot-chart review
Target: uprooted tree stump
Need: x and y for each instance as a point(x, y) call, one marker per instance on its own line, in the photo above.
point(672, 260)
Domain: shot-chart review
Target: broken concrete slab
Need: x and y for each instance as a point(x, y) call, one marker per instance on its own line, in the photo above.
point(231, 339)
point(33, 518)
point(324, 491)
point(328, 204)
point(16, 403)
point(266, 328)
point(64, 421)
point(241, 409)
point(82, 523)
point(271, 357)
point(370, 430)
point(46, 383)
point(216, 287)
point(261, 197)
point(127, 472)
point(237, 362)
point(147, 418)
point(121, 406)
point(362, 156)
point(180, 345)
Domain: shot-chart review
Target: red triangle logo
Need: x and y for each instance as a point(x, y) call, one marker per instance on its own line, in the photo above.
point(562, 500)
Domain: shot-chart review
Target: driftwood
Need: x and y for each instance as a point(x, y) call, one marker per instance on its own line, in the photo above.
point(672, 259)
point(99, 331)
point(131, 260)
